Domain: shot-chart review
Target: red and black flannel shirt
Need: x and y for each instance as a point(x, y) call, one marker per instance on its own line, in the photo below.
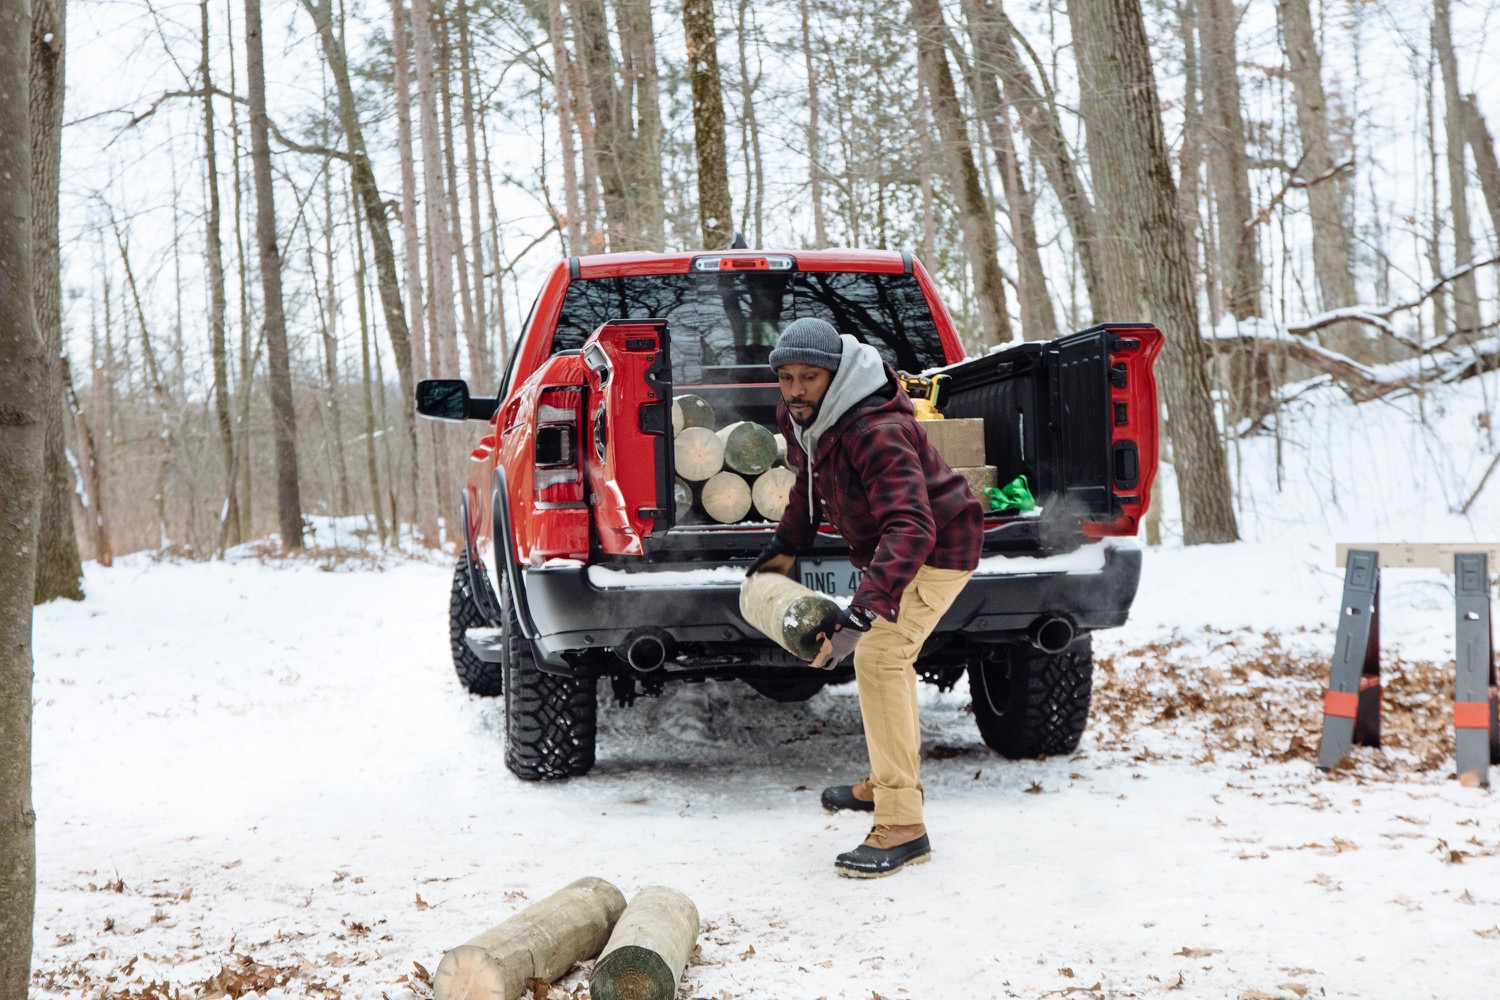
point(882, 485)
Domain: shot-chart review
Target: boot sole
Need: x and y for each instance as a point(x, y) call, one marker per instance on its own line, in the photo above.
point(920, 859)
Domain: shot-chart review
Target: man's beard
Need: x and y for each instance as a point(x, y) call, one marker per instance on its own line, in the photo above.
point(810, 417)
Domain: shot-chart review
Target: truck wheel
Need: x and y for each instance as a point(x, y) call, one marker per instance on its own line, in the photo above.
point(1029, 703)
point(478, 677)
point(550, 721)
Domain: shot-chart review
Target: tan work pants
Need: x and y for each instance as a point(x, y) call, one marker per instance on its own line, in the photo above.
point(888, 692)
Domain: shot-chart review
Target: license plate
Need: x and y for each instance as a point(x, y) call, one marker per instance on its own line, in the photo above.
point(833, 576)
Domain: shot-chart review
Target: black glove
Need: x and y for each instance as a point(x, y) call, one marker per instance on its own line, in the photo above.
point(840, 633)
point(771, 551)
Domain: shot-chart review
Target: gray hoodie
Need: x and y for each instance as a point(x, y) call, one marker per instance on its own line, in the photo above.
point(861, 372)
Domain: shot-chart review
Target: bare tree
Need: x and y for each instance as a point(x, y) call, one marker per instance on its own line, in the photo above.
point(288, 491)
point(563, 102)
point(715, 216)
point(647, 197)
point(814, 168)
point(975, 221)
point(1483, 147)
point(1465, 292)
point(611, 126)
point(24, 405)
point(1111, 40)
point(59, 573)
point(1228, 163)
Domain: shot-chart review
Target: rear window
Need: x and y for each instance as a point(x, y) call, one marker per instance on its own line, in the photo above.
point(733, 320)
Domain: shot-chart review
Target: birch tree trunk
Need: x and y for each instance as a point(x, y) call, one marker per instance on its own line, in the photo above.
point(59, 572)
point(1465, 289)
point(218, 306)
point(1329, 230)
point(714, 212)
point(975, 222)
point(814, 167)
point(284, 416)
point(424, 471)
point(22, 429)
point(1111, 37)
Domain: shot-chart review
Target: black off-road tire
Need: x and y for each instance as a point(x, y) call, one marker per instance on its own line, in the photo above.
point(550, 722)
point(478, 677)
point(1033, 704)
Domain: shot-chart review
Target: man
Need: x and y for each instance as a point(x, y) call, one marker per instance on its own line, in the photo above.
point(864, 465)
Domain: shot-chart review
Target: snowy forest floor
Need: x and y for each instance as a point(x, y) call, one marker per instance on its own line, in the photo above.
point(260, 777)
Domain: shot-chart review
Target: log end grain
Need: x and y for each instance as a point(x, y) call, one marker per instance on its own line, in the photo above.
point(632, 973)
point(726, 497)
point(468, 973)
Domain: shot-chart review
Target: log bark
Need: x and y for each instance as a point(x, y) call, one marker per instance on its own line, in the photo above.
point(543, 941)
point(23, 403)
point(785, 612)
point(975, 222)
point(726, 497)
point(698, 452)
point(1111, 37)
point(715, 216)
point(59, 571)
point(770, 492)
point(284, 416)
point(649, 948)
point(682, 497)
point(749, 448)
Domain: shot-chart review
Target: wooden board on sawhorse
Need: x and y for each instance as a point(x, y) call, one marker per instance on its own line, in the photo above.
point(1351, 705)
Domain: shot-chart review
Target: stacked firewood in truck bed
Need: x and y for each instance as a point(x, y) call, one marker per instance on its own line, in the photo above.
point(738, 472)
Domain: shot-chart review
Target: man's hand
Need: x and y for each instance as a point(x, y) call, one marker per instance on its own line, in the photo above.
point(776, 557)
point(840, 633)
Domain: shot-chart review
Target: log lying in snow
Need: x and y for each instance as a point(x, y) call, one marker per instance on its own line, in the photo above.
point(682, 496)
point(691, 411)
point(543, 941)
point(648, 949)
point(726, 497)
point(785, 611)
point(749, 448)
point(699, 453)
point(770, 492)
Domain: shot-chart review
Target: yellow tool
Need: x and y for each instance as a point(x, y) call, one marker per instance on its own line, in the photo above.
point(924, 393)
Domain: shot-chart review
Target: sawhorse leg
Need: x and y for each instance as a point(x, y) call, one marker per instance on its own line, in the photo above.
point(1476, 727)
point(1351, 705)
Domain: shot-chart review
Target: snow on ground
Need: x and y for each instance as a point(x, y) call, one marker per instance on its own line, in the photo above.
point(264, 771)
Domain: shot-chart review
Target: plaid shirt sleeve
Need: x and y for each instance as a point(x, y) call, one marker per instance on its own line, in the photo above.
point(888, 453)
point(795, 528)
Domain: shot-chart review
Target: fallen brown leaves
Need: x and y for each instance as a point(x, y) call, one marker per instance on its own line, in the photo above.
point(1260, 694)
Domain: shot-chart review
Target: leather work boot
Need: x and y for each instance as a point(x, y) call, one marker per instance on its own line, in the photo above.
point(886, 851)
point(858, 797)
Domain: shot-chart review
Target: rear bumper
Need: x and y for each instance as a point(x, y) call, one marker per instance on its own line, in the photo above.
point(572, 612)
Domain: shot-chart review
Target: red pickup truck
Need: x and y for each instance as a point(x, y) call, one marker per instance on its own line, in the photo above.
point(574, 569)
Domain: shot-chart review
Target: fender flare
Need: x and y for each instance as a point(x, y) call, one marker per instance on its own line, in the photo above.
point(479, 583)
point(506, 564)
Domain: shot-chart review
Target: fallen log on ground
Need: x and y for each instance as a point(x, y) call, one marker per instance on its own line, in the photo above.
point(649, 948)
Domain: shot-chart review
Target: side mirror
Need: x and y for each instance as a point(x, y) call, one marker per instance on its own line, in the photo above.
point(449, 399)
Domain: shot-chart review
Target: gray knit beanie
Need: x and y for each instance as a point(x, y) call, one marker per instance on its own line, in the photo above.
point(808, 341)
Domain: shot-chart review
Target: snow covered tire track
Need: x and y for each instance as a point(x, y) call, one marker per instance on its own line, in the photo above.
point(478, 677)
point(1033, 704)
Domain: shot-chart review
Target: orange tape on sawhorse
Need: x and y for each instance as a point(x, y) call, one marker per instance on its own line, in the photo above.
point(1341, 704)
point(1471, 715)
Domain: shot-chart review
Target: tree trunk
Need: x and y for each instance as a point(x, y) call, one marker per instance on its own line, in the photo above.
point(1037, 319)
point(1329, 230)
point(1465, 290)
point(975, 222)
point(1132, 157)
point(648, 196)
point(372, 462)
point(1043, 130)
point(23, 425)
point(611, 144)
point(563, 99)
point(284, 417)
point(218, 306)
point(814, 168)
point(248, 353)
point(472, 340)
point(422, 435)
point(1484, 158)
point(1229, 166)
point(714, 212)
point(442, 328)
point(480, 356)
point(1190, 159)
point(59, 572)
point(755, 174)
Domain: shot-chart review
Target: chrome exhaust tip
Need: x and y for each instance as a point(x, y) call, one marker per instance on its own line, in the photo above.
point(1052, 633)
point(646, 650)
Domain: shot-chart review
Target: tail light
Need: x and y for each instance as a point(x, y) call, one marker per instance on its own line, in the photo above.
point(559, 461)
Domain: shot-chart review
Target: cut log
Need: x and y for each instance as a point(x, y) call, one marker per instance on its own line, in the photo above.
point(543, 941)
point(682, 495)
point(785, 611)
point(726, 497)
point(981, 478)
point(699, 454)
point(771, 490)
point(691, 411)
point(749, 448)
point(648, 949)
